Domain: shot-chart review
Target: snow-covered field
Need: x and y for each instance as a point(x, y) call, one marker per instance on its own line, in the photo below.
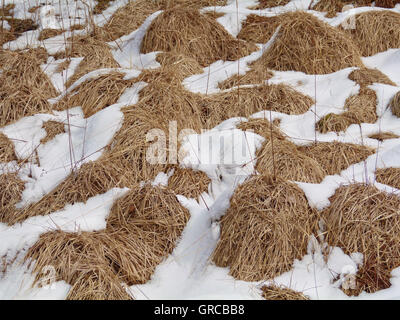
point(188, 273)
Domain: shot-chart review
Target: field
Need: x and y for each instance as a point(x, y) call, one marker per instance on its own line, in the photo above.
point(209, 149)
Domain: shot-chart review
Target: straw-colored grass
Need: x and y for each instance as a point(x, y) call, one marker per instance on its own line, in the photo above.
point(383, 136)
point(305, 43)
point(259, 29)
point(389, 176)
point(360, 108)
point(49, 33)
point(263, 4)
point(7, 150)
point(263, 128)
point(274, 292)
point(335, 157)
point(376, 31)
point(24, 88)
point(53, 128)
point(257, 75)
point(365, 77)
point(395, 104)
point(11, 188)
point(195, 35)
point(363, 219)
point(189, 183)
point(266, 227)
point(95, 94)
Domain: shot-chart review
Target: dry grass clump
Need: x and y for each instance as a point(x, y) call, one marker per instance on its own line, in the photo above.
point(101, 6)
point(257, 75)
point(363, 219)
point(189, 183)
point(259, 29)
point(146, 222)
point(7, 150)
point(49, 33)
point(365, 77)
point(17, 28)
point(96, 94)
point(244, 102)
point(52, 128)
point(24, 88)
point(266, 227)
point(11, 188)
point(376, 31)
point(360, 108)
point(195, 35)
point(383, 136)
point(334, 157)
point(395, 104)
point(305, 43)
point(389, 176)
point(263, 128)
point(263, 4)
point(273, 292)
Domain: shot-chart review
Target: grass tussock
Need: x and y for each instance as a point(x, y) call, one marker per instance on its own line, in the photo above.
point(95, 94)
point(305, 43)
point(376, 31)
point(264, 4)
point(360, 108)
point(273, 292)
point(259, 29)
point(24, 88)
point(395, 104)
point(188, 182)
point(257, 75)
point(335, 157)
point(389, 176)
point(264, 229)
point(53, 128)
point(195, 35)
point(365, 77)
point(11, 188)
point(381, 136)
point(363, 219)
point(49, 33)
point(7, 150)
point(96, 261)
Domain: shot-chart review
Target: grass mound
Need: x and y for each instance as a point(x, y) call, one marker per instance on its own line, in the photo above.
point(7, 150)
point(345, 154)
point(263, 4)
point(53, 128)
point(389, 176)
point(365, 77)
point(24, 88)
point(259, 29)
point(264, 229)
point(305, 43)
point(195, 35)
point(384, 136)
point(11, 188)
point(95, 261)
point(376, 31)
point(95, 94)
point(395, 104)
point(273, 292)
point(189, 183)
point(363, 219)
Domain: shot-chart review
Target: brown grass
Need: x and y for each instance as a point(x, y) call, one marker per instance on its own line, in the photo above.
point(305, 43)
point(376, 31)
point(389, 176)
point(96, 94)
point(395, 104)
point(263, 4)
point(53, 128)
point(257, 75)
point(49, 33)
point(365, 77)
point(259, 29)
point(335, 157)
point(360, 108)
point(363, 219)
point(189, 183)
point(273, 292)
point(266, 227)
point(146, 222)
point(7, 150)
point(24, 88)
point(383, 136)
point(195, 35)
point(11, 188)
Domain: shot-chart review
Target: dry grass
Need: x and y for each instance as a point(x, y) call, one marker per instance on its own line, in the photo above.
point(363, 219)
point(53, 128)
point(195, 35)
point(95, 94)
point(263, 4)
point(49, 33)
point(146, 222)
point(376, 31)
point(395, 104)
point(335, 157)
point(266, 227)
point(257, 75)
point(7, 150)
point(259, 29)
point(189, 183)
point(24, 88)
point(360, 108)
point(11, 188)
point(305, 43)
point(389, 176)
point(365, 77)
point(263, 128)
point(273, 292)
point(383, 136)
point(101, 6)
